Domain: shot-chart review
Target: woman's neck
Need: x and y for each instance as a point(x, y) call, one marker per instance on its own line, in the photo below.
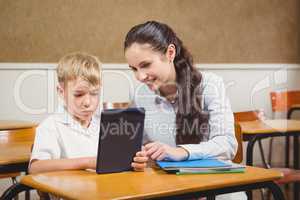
point(168, 91)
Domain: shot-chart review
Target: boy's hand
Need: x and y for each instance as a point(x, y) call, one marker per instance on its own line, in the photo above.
point(161, 151)
point(140, 160)
point(90, 162)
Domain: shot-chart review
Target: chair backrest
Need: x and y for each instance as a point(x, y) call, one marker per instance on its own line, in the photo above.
point(240, 117)
point(282, 101)
point(238, 158)
point(109, 105)
point(251, 115)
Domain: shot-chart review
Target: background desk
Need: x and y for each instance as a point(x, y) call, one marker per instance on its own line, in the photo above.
point(151, 184)
point(16, 139)
point(256, 130)
point(292, 109)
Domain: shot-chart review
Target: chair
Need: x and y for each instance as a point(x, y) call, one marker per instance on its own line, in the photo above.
point(282, 101)
point(250, 116)
point(238, 158)
point(289, 175)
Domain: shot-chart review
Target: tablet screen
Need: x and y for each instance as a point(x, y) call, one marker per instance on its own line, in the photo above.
point(121, 135)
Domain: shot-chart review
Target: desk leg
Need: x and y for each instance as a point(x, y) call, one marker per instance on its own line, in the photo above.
point(296, 166)
point(249, 159)
point(27, 192)
point(249, 153)
point(276, 192)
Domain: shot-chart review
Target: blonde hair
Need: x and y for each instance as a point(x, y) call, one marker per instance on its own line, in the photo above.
point(79, 65)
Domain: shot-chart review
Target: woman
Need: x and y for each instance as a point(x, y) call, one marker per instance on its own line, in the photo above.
point(187, 113)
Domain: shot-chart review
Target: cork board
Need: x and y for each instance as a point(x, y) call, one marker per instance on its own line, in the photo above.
point(215, 31)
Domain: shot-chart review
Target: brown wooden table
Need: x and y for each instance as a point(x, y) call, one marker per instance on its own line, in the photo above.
point(293, 108)
point(151, 184)
point(16, 139)
point(255, 130)
point(13, 125)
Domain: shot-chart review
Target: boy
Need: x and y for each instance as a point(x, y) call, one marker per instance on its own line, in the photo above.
point(69, 140)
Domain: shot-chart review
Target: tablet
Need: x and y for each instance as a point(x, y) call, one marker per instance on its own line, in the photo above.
point(121, 135)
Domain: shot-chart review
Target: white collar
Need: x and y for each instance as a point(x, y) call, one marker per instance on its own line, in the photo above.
point(63, 116)
point(158, 99)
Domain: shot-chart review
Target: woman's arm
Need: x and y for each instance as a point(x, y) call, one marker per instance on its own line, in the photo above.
point(221, 142)
point(38, 166)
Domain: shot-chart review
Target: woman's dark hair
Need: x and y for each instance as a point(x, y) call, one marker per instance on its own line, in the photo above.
point(191, 122)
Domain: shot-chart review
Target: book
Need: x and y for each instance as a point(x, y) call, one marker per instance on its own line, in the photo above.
point(203, 166)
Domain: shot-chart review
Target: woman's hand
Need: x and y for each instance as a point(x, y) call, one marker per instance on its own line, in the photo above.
point(140, 160)
point(161, 151)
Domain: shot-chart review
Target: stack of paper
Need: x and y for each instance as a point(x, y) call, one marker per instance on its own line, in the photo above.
point(203, 166)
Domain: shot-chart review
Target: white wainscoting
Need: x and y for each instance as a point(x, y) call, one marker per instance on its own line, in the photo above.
point(29, 89)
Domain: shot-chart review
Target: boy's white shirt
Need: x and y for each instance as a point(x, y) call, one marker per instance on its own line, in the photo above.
point(60, 136)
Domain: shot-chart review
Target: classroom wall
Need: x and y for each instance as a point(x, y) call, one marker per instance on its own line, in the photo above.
point(216, 31)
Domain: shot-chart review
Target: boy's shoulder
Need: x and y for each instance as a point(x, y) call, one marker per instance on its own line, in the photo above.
point(56, 120)
point(51, 121)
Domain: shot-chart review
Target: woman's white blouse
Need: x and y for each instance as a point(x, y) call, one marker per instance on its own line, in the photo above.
point(160, 118)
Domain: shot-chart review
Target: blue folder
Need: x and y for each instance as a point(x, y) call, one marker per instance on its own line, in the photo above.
point(203, 163)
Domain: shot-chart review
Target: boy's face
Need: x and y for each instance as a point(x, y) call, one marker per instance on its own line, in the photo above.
point(81, 99)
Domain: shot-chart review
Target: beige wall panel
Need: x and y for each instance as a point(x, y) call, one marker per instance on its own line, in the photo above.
point(216, 31)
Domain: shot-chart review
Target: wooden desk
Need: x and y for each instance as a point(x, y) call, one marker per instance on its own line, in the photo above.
point(151, 184)
point(13, 125)
point(256, 130)
point(292, 109)
point(16, 139)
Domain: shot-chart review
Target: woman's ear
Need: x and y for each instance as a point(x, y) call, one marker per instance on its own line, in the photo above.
point(171, 52)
